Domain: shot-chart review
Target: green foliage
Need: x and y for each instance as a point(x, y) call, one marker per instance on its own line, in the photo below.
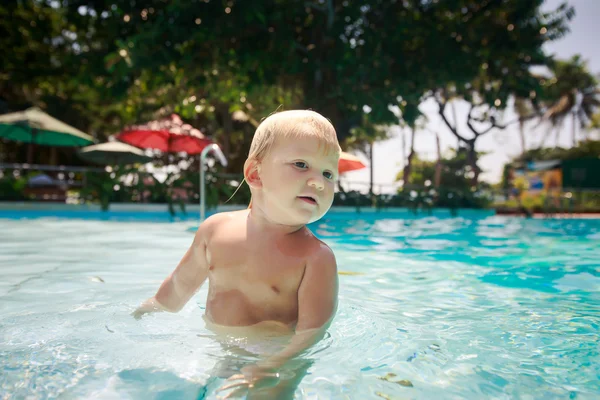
point(455, 190)
point(418, 198)
point(98, 188)
point(365, 134)
point(587, 148)
point(352, 199)
point(456, 172)
point(595, 121)
point(571, 91)
point(499, 68)
point(100, 65)
point(177, 190)
point(578, 202)
point(11, 188)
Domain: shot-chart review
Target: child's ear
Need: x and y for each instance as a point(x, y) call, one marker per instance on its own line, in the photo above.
point(251, 173)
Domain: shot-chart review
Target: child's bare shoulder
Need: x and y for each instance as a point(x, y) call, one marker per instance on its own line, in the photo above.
point(218, 221)
point(320, 252)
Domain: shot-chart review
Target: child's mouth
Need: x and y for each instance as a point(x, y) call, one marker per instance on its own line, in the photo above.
point(308, 199)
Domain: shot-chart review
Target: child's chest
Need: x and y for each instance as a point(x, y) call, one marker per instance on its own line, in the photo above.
point(255, 266)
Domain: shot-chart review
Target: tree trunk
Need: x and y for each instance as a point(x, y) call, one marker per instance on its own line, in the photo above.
point(522, 135)
point(371, 168)
point(403, 143)
point(455, 118)
point(408, 166)
point(437, 179)
point(472, 160)
point(574, 131)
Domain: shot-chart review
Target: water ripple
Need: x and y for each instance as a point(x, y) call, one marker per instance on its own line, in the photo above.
point(474, 306)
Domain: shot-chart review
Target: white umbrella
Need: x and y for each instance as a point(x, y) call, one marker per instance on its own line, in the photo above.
point(113, 153)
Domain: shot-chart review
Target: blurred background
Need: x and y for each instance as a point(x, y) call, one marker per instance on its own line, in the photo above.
point(437, 103)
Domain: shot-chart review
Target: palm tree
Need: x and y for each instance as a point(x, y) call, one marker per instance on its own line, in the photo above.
point(572, 92)
point(409, 159)
point(363, 138)
point(414, 120)
point(525, 111)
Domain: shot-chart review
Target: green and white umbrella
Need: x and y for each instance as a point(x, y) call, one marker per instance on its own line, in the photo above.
point(36, 127)
point(113, 153)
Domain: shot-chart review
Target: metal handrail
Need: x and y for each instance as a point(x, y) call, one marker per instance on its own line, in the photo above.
point(44, 167)
point(216, 150)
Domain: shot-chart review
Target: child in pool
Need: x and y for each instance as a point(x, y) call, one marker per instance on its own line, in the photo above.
point(266, 270)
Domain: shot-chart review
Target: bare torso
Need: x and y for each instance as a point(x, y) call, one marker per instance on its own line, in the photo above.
point(254, 278)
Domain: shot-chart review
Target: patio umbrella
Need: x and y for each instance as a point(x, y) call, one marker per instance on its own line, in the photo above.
point(113, 153)
point(34, 126)
point(349, 162)
point(170, 135)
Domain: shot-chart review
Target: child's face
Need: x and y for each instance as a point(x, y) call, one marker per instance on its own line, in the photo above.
point(298, 180)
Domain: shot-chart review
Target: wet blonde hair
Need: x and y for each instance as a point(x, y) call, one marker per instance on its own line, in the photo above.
point(293, 124)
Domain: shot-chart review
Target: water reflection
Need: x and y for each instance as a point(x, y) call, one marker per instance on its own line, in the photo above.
point(531, 254)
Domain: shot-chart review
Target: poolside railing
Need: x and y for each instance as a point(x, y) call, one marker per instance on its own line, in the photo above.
point(24, 182)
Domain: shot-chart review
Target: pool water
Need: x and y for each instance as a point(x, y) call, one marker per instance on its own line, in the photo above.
point(469, 307)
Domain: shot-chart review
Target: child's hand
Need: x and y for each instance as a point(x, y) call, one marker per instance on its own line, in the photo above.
point(252, 376)
point(146, 307)
point(139, 312)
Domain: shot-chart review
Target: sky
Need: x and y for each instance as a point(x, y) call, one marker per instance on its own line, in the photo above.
point(501, 145)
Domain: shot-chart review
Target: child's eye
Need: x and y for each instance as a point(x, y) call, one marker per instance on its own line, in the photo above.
point(301, 164)
point(328, 175)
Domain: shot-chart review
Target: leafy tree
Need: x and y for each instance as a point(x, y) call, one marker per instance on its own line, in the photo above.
point(414, 121)
point(453, 188)
point(454, 172)
point(340, 55)
point(500, 67)
point(123, 61)
point(525, 110)
point(586, 148)
point(362, 139)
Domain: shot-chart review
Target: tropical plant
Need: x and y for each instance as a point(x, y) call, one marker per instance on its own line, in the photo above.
point(573, 92)
point(525, 110)
point(100, 65)
point(363, 137)
point(12, 188)
point(501, 68)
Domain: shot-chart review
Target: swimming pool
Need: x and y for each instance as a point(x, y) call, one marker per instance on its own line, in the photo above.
point(476, 306)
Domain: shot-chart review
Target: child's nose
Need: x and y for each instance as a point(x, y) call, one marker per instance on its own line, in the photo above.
point(317, 183)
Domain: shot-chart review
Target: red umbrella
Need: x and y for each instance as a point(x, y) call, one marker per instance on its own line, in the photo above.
point(170, 135)
point(348, 162)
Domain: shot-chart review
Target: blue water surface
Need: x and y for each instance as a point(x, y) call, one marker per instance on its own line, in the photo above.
point(473, 306)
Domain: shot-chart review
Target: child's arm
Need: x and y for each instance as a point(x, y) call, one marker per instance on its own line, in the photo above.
point(317, 304)
point(184, 281)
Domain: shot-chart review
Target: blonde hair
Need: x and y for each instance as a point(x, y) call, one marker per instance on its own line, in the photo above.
point(293, 124)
